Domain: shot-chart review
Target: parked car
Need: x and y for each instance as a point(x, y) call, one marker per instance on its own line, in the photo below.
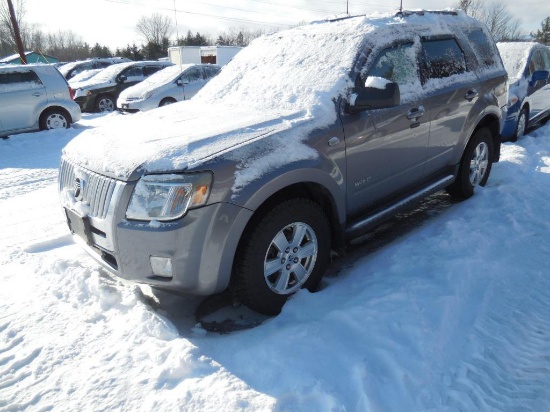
point(69, 70)
point(528, 67)
point(170, 85)
point(100, 93)
point(308, 138)
point(33, 97)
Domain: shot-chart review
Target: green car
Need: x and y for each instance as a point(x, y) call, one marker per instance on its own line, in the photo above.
point(99, 93)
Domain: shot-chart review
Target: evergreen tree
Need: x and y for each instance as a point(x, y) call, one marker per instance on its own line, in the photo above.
point(543, 35)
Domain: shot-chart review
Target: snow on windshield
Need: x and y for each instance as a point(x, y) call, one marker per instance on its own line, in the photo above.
point(514, 56)
point(157, 79)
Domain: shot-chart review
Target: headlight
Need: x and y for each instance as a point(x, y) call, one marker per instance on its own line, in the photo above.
point(512, 99)
point(147, 95)
point(168, 197)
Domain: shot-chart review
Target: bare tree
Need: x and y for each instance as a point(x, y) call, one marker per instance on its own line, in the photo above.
point(155, 28)
point(496, 17)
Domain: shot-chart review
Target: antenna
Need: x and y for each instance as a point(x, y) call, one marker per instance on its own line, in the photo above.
point(347, 7)
point(401, 7)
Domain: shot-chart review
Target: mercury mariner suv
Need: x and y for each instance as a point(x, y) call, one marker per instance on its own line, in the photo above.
point(307, 139)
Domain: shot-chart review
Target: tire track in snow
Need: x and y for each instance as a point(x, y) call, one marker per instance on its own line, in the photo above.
point(506, 373)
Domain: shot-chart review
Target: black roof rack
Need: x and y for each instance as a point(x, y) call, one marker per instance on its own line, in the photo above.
point(406, 13)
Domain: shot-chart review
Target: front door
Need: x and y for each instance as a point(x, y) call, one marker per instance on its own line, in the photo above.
point(386, 148)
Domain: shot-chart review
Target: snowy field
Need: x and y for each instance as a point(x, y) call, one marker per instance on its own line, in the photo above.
point(450, 314)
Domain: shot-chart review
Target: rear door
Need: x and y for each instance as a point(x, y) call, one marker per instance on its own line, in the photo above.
point(452, 91)
point(21, 94)
point(386, 148)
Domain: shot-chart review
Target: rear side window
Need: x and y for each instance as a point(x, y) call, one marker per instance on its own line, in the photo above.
point(149, 70)
point(442, 58)
point(483, 47)
point(19, 80)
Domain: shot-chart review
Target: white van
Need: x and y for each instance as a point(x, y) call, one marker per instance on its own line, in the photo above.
point(33, 97)
point(175, 83)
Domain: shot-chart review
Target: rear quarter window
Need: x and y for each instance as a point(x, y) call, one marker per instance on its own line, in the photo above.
point(19, 80)
point(484, 48)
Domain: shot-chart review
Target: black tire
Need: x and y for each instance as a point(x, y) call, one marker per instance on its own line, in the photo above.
point(258, 254)
point(105, 103)
point(54, 119)
point(166, 101)
point(475, 165)
point(523, 123)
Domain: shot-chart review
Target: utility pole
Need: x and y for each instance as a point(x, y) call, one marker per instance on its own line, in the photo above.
point(17, 34)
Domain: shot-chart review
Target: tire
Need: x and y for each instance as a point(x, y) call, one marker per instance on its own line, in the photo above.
point(105, 104)
point(286, 250)
point(166, 101)
point(54, 119)
point(475, 165)
point(521, 127)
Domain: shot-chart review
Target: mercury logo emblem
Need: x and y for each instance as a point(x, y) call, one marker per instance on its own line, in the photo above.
point(78, 187)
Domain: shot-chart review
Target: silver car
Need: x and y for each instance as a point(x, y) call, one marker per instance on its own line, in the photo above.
point(170, 85)
point(34, 97)
point(307, 139)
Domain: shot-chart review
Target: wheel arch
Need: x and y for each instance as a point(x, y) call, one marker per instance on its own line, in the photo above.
point(53, 108)
point(491, 122)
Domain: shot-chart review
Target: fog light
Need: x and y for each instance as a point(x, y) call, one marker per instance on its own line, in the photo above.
point(161, 266)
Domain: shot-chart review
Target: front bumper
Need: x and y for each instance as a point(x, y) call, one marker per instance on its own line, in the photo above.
point(201, 245)
point(133, 106)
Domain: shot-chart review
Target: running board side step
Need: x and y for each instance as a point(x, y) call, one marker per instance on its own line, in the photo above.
point(361, 226)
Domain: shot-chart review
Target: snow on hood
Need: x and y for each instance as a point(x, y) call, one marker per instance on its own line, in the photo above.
point(295, 74)
point(172, 138)
point(514, 56)
point(156, 80)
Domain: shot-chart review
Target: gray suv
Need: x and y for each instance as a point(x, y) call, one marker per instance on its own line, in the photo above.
point(34, 97)
point(307, 139)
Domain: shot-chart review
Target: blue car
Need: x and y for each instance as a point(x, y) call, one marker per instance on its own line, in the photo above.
point(528, 67)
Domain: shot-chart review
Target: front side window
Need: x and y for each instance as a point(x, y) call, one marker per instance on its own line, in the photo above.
point(192, 74)
point(442, 58)
point(133, 73)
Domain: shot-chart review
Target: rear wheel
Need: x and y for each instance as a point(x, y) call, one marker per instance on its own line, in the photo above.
point(105, 104)
point(475, 165)
point(286, 250)
point(54, 119)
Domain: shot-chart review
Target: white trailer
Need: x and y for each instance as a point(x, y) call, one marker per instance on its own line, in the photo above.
point(184, 54)
point(220, 55)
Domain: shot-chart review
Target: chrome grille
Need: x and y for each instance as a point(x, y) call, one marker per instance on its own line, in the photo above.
point(97, 190)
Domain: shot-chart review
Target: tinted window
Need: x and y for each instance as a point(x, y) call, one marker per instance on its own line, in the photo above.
point(149, 70)
point(101, 65)
point(193, 74)
point(483, 47)
point(442, 58)
point(211, 71)
point(133, 72)
point(29, 77)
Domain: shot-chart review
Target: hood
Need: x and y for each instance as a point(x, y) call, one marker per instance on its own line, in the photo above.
point(172, 138)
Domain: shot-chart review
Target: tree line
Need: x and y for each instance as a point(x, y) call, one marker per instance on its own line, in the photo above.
point(156, 30)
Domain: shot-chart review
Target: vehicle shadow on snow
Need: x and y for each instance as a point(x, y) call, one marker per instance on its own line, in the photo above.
point(221, 314)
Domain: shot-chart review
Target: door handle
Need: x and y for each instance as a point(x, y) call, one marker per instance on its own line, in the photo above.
point(37, 94)
point(471, 95)
point(415, 113)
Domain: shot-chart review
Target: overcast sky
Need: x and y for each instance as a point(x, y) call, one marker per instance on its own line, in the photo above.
point(112, 22)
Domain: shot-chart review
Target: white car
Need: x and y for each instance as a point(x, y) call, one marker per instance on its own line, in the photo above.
point(175, 83)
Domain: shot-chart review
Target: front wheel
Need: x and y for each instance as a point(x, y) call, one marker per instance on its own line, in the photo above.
point(286, 250)
point(475, 165)
point(54, 119)
point(167, 101)
point(521, 127)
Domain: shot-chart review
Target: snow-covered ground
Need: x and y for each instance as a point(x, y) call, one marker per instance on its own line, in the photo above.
point(451, 315)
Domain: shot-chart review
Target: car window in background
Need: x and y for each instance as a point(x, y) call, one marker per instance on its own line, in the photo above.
point(149, 70)
point(443, 58)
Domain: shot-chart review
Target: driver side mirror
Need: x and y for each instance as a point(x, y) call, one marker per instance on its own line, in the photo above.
point(369, 98)
point(121, 79)
point(182, 82)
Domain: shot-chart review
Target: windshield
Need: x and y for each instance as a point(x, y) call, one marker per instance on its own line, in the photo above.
point(515, 56)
